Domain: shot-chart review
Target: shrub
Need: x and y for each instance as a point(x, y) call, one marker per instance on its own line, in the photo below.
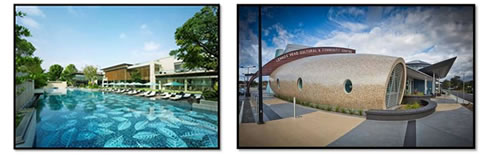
point(414, 105)
point(337, 109)
point(352, 111)
point(329, 108)
point(361, 112)
point(316, 106)
point(210, 95)
point(347, 111)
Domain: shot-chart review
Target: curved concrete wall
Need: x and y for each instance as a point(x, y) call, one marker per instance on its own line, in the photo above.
point(323, 79)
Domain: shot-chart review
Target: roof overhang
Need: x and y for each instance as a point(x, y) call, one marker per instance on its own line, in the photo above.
point(117, 66)
point(189, 74)
point(439, 69)
point(415, 74)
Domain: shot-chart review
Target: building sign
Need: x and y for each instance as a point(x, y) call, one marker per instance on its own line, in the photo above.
point(313, 51)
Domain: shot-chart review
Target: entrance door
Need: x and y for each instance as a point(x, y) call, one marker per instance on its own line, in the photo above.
point(393, 90)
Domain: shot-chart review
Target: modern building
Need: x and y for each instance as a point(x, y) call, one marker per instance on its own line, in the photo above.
point(161, 74)
point(340, 77)
point(79, 78)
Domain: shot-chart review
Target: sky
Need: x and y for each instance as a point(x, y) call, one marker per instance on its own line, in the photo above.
point(429, 33)
point(103, 35)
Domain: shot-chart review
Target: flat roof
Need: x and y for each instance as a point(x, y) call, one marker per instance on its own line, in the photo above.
point(117, 65)
point(191, 73)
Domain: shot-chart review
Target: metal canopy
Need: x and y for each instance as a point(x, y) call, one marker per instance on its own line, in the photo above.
point(414, 74)
point(440, 69)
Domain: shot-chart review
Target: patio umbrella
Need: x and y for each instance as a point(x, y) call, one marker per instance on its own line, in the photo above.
point(173, 84)
point(150, 84)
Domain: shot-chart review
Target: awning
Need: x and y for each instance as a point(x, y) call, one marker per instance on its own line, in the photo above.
point(440, 69)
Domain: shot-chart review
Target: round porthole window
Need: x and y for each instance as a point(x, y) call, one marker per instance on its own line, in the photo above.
point(348, 86)
point(299, 83)
point(278, 83)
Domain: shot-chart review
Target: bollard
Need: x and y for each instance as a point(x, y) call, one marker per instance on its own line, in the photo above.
point(294, 107)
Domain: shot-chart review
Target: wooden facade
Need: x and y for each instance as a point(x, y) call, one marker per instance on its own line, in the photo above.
point(144, 72)
point(118, 74)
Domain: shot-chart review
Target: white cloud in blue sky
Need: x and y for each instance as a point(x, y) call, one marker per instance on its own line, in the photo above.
point(103, 35)
point(431, 34)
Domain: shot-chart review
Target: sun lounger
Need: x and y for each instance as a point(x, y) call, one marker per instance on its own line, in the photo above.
point(132, 92)
point(143, 94)
point(167, 96)
point(151, 94)
point(185, 96)
point(177, 97)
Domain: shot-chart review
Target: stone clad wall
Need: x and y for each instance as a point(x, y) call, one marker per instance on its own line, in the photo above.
point(27, 89)
point(324, 76)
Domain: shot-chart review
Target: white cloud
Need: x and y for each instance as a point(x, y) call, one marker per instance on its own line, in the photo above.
point(408, 34)
point(122, 35)
point(29, 22)
point(32, 11)
point(354, 27)
point(151, 46)
point(143, 26)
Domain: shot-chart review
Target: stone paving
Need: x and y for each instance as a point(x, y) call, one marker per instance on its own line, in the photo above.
point(450, 126)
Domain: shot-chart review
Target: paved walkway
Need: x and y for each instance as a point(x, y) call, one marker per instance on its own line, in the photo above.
point(304, 131)
point(450, 128)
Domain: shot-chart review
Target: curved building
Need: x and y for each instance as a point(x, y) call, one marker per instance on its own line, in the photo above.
point(360, 81)
point(339, 77)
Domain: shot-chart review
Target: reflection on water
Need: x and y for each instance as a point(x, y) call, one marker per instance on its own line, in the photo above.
point(96, 119)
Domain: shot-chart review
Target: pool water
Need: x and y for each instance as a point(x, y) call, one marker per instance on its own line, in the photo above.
point(85, 119)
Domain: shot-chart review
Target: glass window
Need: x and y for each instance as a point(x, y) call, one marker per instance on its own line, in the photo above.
point(299, 83)
point(348, 86)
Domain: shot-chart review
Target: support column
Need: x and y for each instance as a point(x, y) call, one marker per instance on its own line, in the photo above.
point(433, 84)
point(186, 84)
point(425, 86)
point(152, 75)
point(160, 85)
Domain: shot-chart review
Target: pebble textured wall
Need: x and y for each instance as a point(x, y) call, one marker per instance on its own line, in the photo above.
point(323, 79)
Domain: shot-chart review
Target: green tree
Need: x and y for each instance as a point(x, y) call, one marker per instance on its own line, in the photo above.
point(198, 40)
point(22, 46)
point(26, 67)
point(31, 68)
point(90, 73)
point(55, 72)
point(446, 84)
point(135, 76)
point(69, 73)
point(456, 82)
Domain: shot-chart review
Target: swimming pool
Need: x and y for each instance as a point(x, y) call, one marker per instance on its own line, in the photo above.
point(86, 119)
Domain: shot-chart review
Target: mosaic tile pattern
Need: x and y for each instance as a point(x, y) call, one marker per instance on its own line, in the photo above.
point(82, 119)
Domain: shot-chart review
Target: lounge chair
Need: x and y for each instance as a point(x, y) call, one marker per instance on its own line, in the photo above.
point(132, 92)
point(185, 96)
point(198, 97)
point(151, 94)
point(177, 97)
point(167, 96)
point(143, 94)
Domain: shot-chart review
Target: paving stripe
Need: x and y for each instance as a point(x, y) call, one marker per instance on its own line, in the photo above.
point(270, 113)
point(411, 134)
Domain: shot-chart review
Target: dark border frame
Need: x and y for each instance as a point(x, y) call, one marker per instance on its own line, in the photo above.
point(268, 147)
point(110, 4)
